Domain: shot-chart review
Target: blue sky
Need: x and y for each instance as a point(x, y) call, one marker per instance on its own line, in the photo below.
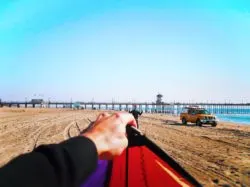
point(127, 50)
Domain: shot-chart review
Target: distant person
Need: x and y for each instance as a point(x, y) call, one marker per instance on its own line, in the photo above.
point(136, 113)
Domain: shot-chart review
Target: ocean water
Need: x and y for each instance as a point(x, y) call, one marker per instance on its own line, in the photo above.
point(235, 118)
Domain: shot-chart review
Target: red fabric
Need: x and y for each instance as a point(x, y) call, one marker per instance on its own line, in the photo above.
point(145, 170)
point(118, 175)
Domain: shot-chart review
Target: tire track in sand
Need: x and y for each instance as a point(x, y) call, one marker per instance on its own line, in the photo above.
point(67, 131)
point(45, 124)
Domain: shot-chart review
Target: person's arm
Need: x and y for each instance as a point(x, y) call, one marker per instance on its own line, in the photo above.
point(69, 163)
point(58, 165)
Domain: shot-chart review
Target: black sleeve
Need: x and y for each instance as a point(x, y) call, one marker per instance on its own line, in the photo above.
point(66, 164)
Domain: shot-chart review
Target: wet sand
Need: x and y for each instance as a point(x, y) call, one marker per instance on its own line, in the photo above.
point(214, 156)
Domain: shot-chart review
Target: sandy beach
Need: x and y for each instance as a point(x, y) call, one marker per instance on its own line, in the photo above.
point(214, 156)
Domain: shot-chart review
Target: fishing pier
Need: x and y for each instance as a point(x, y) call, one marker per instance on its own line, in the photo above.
point(170, 108)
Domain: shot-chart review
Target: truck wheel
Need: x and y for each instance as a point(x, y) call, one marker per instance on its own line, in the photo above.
point(214, 124)
point(198, 122)
point(184, 121)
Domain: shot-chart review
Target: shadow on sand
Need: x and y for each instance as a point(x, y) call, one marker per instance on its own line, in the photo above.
point(172, 122)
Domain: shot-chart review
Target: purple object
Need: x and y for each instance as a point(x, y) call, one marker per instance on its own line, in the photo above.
point(98, 178)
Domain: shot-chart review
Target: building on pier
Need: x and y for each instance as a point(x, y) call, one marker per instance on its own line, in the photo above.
point(159, 99)
point(37, 101)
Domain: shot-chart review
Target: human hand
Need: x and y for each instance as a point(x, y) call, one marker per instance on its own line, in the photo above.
point(109, 134)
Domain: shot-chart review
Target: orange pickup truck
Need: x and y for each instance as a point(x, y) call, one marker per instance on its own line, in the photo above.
point(198, 115)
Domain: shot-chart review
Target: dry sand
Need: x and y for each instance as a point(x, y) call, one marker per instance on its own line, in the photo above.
point(214, 156)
